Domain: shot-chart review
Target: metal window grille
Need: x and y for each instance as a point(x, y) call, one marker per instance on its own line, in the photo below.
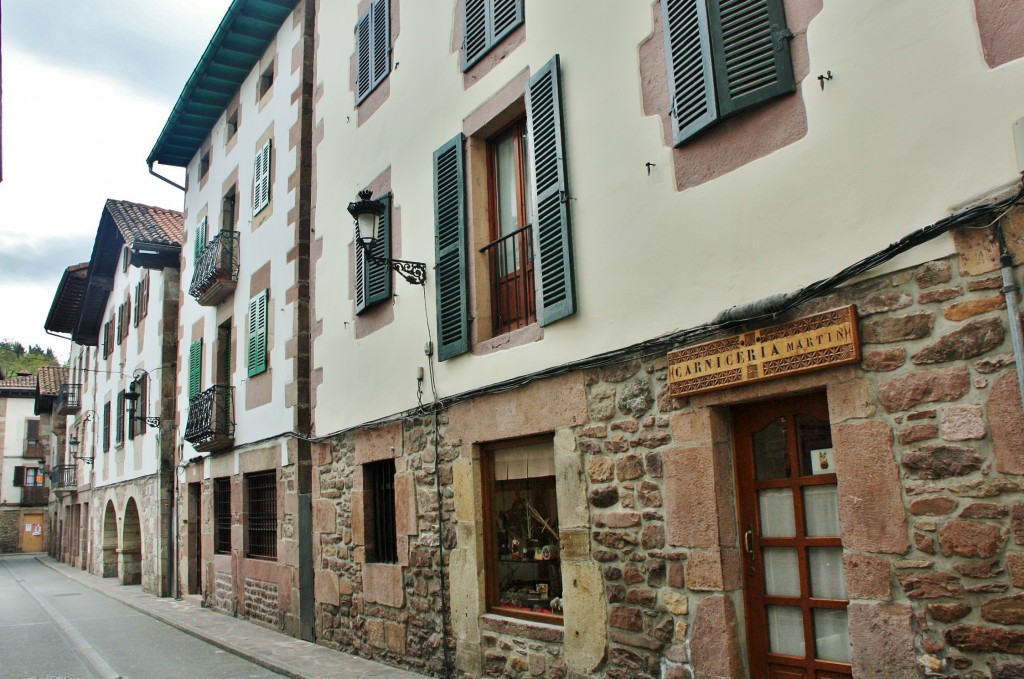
point(262, 508)
point(513, 298)
point(379, 485)
point(222, 515)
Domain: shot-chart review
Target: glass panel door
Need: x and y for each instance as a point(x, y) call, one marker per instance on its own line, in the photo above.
point(794, 582)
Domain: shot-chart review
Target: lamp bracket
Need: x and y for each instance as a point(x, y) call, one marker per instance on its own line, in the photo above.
point(414, 272)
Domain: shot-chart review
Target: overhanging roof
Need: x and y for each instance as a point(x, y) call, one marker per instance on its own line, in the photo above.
point(245, 32)
point(67, 303)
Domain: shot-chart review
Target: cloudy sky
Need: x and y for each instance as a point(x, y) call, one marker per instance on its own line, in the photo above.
point(87, 87)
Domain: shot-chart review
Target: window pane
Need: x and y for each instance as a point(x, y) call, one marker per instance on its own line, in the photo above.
point(781, 571)
point(525, 516)
point(506, 181)
point(811, 434)
point(777, 519)
point(786, 630)
point(770, 455)
point(827, 578)
point(831, 635)
point(821, 509)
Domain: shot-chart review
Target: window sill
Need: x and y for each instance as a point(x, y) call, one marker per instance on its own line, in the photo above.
point(509, 340)
point(517, 627)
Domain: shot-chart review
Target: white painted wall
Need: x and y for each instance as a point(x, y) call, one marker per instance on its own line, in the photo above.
point(16, 413)
point(271, 241)
point(104, 378)
point(913, 125)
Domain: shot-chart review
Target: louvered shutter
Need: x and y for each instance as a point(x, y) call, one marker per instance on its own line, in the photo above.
point(381, 49)
point(258, 334)
point(373, 281)
point(474, 32)
point(363, 56)
point(556, 287)
point(19, 477)
point(195, 368)
point(450, 225)
point(750, 49)
point(506, 15)
point(690, 75)
point(486, 23)
point(261, 180)
point(200, 237)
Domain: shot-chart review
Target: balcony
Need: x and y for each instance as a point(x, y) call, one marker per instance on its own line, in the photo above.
point(513, 297)
point(211, 423)
point(64, 477)
point(35, 495)
point(69, 399)
point(216, 270)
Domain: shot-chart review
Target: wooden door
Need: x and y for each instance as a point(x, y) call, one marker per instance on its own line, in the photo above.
point(32, 533)
point(794, 584)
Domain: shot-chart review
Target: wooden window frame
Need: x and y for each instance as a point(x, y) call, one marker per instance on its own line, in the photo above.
point(489, 527)
point(527, 300)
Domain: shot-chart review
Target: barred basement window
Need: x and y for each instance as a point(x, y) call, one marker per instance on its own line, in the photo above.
point(261, 504)
point(222, 515)
point(524, 575)
point(379, 488)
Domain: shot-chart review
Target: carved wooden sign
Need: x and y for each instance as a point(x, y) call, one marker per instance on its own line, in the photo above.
point(810, 343)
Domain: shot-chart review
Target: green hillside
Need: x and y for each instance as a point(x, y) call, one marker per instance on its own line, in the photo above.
point(14, 357)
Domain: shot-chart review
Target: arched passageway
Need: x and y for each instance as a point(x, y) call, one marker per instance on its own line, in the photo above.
point(109, 564)
point(130, 561)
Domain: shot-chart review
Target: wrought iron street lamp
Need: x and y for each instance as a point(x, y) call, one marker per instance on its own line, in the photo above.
point(132, 397)
point(368, 212)
point(73, 441)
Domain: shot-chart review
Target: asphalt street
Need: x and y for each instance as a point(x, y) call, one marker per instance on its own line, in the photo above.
point(54, 628)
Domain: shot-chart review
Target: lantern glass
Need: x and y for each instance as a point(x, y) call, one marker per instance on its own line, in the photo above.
point(368, 224)
point(73, 445)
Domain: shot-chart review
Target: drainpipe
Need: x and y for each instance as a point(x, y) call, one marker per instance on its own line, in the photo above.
point(1010, 291)
point(163, 178)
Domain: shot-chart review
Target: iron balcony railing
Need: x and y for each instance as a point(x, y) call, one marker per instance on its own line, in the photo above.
point(513, 293)
point(211, 422)
point(35, 495)
point(69, 399)
point(216, 270)
point(64, 477)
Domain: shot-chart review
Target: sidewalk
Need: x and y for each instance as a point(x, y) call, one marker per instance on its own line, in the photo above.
point(264, 647)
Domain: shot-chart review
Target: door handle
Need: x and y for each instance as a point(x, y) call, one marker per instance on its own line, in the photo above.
point(748, 542)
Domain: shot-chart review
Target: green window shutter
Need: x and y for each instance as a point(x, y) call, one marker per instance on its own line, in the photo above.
point(195, 368)
point(486, 23)
point(750, 51)
point(691, 80)
point(556, 287)
point(381, 51)
point(363, 56)
point(200, 237)
point(450, 225)
point(258, 334)
point(261, 180)
point(506, 15)
point(106, 426)
point(19, 477)
point(373, 281)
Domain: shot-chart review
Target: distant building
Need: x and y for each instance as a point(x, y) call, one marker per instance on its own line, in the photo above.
point(24, 449)
point(113, 471)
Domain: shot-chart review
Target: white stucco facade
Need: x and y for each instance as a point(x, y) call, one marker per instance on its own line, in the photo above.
point(914, 125)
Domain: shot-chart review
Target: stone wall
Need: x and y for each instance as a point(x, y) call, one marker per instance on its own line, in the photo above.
point(9, 531)
point(152, 518)
point(928, 434)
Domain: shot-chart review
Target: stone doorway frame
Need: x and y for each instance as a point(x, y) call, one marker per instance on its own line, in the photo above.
point(704, 518)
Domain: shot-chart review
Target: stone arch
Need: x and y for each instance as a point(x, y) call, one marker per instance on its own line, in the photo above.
point(130, 556)
point(108, 567)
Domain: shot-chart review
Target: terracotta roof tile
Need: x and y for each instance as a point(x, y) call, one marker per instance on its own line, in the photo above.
point(19, 383)
point(146, 223)
point(50, 379)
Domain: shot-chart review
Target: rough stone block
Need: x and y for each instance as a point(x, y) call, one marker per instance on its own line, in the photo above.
point(897, 328)
point(586, 630)
point(932, 273)
point(941, 461)
point(963, 310)
point(962, 423)
point(394, 637)
point(870, 495)
point(971, 339)
point(919, 431)
point(940, 295)
point(948, 612)
point(1015, 565)
point(978, 250)
point(925, 386)
point(1007, 422)
point(931, 585)
point(867, 577)
point(383, 584)
point(971, 539)
point(325, 586)
point(325, 517)
point(850, 400)
point(713, 570)
point(714, 643)
point(882, 637)
point(932, 506)
point(986, 639)
point(690, 497)
point(885, 301)
point(884, 360)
